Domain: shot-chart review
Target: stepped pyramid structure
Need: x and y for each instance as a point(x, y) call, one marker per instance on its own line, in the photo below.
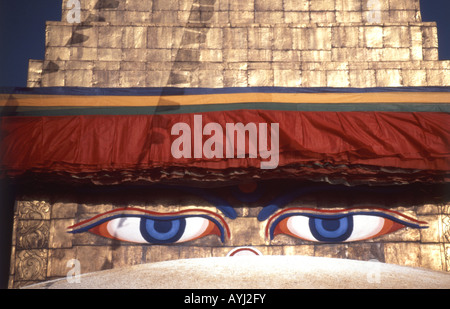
point(231, 43)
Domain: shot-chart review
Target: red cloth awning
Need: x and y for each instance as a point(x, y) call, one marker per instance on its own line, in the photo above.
point(313, 145)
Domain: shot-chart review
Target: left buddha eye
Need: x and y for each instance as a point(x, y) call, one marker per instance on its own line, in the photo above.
point(139, 226)
point(339, 226)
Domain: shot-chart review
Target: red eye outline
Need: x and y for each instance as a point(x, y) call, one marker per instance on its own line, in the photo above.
point(96, 223)
point(272, 227)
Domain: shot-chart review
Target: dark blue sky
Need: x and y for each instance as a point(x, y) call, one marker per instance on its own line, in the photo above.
point(22, 33)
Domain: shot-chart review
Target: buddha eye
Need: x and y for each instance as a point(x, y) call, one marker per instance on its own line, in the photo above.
point(145, 227)
point(338, 226)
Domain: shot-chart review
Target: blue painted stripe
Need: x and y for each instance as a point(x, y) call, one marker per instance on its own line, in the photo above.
point(198, 91)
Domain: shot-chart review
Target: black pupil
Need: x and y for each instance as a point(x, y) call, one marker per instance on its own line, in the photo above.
point(162, 226)
point(331, 225)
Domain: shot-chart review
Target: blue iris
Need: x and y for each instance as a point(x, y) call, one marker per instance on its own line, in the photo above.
point(158, 231)
point(331, 229)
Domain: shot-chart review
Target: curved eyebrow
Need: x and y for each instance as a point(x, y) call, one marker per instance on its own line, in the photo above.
point(330, 213)
point(282, 200)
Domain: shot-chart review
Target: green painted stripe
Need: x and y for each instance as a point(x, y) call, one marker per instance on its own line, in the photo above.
point(184, 109)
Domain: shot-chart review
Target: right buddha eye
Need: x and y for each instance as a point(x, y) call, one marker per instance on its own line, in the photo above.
point(337, 226)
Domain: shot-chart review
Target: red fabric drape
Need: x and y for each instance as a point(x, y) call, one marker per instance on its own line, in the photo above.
point(85, 144)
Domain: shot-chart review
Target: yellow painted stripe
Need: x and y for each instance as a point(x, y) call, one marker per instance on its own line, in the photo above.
point(116, 101)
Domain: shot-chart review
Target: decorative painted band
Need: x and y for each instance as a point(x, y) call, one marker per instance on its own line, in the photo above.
point(151, 101)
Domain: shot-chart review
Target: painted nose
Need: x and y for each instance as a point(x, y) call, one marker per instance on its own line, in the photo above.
point(244, 251)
